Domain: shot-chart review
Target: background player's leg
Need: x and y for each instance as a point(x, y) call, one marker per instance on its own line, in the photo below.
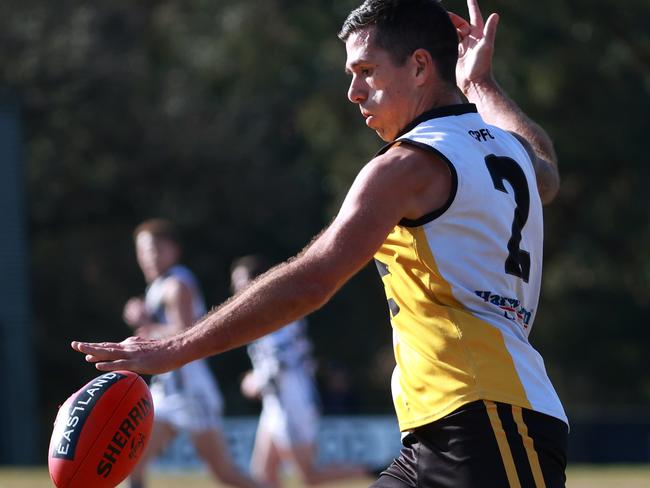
point(211, 447)
point(161, 434)
point(266, 460)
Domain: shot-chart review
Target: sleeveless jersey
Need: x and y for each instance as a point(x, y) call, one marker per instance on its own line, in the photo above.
point(286, 348)
point(463, 282)
point(283, 367)
point(195, 377)
point(154, 295)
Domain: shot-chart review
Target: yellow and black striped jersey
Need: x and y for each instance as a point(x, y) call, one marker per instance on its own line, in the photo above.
point(463, 282)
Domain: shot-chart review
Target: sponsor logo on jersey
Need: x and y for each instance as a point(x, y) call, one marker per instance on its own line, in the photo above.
point(511, 307)
point(481, 135)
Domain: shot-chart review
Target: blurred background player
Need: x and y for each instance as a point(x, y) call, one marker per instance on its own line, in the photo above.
point(283, 377)
point(188, 398)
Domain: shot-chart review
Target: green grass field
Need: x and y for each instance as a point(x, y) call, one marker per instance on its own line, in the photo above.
point(578, 477)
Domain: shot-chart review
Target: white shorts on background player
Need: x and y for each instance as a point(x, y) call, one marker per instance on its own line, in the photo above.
point(289, 410)
point(188, 398)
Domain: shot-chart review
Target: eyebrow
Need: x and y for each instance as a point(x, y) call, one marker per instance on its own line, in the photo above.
point(348, 69)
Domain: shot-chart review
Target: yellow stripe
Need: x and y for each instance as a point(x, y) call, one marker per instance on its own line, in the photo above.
point(533, 460)
point(502, 442)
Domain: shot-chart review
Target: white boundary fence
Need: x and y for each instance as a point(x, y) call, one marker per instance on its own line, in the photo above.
point(368, 440)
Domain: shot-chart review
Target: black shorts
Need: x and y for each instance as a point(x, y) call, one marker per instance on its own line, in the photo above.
point(483, 444)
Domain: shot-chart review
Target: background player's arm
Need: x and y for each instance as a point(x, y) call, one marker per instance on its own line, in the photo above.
point(404, 182)
point(250, 386)
point(178, 311)
point(177, 299)
point(475, 79)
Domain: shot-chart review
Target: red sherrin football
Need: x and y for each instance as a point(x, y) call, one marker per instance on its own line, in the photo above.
point(100, 432)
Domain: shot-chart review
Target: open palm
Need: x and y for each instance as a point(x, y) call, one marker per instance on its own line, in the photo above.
point(475, 46)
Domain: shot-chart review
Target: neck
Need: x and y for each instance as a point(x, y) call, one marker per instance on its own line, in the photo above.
point(442, 97)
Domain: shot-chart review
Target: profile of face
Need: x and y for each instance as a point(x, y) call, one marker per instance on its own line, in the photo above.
point(155, 255)
point(239, 278)
point(382, 89)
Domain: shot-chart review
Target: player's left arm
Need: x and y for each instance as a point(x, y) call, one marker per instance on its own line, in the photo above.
point(403, 182)
point(474, 76)
point(546, 172)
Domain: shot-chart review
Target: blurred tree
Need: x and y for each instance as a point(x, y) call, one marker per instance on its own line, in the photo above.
point(230, 117)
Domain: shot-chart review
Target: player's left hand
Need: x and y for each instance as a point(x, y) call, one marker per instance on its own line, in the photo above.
point(250, 386)
point(133, 354)
point(135, 313)
point(475, 46)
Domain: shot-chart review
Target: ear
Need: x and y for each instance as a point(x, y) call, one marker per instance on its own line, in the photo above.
point(423, 67)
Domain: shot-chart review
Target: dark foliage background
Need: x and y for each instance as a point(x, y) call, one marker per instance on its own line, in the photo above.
point(230, 118)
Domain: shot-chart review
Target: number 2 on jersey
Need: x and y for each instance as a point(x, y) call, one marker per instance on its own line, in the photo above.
point(503, 168)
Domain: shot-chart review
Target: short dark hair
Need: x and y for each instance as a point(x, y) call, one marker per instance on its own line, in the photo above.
point(159, 229)
point(402, 26)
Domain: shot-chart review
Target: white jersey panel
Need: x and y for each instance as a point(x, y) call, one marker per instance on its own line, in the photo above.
point(283, 367)
point(286, 348)
point(488, 243)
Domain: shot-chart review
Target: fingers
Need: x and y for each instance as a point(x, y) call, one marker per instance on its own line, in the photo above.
point(475, 16)
point(89, 347)
point(490, 30)
point(120, 364)
point(462, 26)
point(131, 339)
point(458, 21)
point(99, 351)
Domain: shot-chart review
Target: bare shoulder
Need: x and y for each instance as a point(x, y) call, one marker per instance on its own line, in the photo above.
point(175, 288)
point(423, 175)
point(413, 161)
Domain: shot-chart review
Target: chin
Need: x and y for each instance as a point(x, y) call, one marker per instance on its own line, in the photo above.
point(382, 135)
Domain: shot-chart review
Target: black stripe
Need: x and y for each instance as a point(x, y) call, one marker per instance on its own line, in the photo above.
point(516, 446)
point(79, 409)
point(454, 182)
point(452, 193)
point(459, 109)
point(490, 461)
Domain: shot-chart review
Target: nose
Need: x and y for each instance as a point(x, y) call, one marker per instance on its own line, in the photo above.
point(357, 92)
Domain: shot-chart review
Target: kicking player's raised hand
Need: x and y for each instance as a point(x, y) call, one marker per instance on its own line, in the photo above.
point(475, 46)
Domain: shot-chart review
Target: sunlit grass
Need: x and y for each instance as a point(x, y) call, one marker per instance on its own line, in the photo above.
point(580, 476)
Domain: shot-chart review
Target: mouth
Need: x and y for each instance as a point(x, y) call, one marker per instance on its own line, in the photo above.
point(368, 117)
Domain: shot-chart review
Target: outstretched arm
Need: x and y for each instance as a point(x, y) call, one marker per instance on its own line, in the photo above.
point(475, 79)
point(404, 182)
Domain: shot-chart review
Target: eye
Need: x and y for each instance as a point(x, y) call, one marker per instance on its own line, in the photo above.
point(365, 71)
